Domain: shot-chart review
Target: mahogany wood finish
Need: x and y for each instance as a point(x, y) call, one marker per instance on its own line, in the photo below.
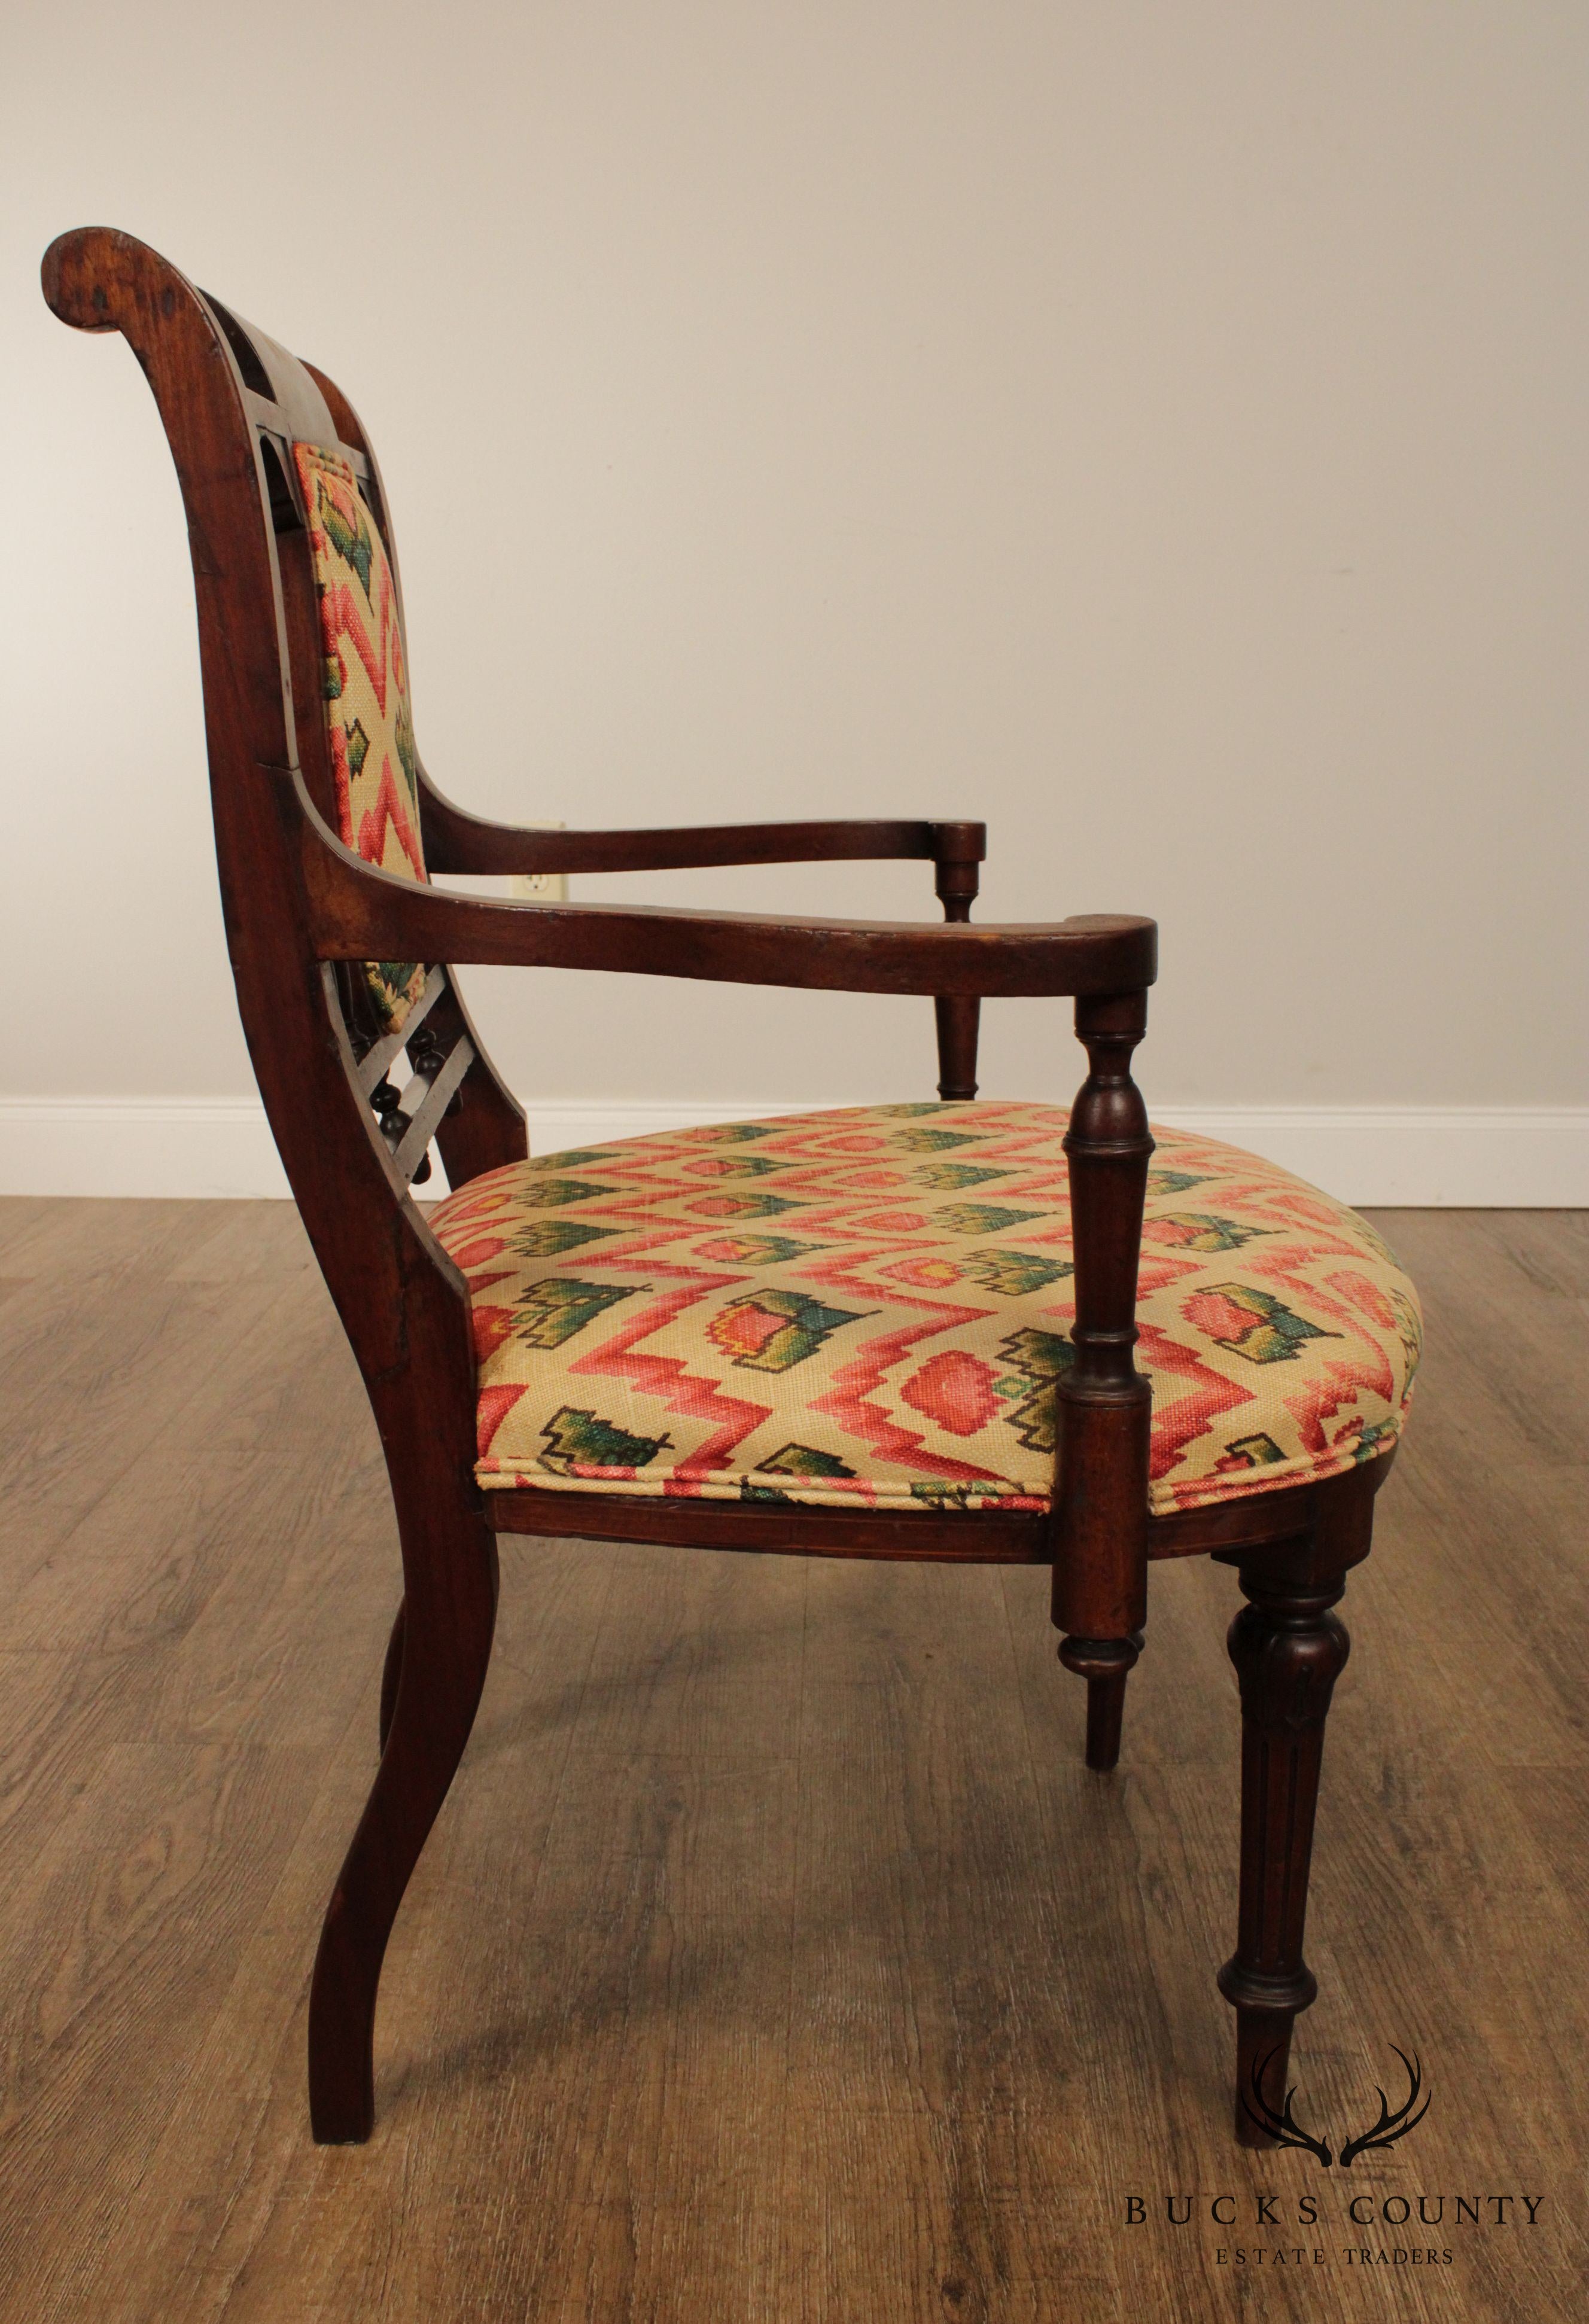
point(391, 1673)
point(980, 1537)
point(300, 910)
point(356, 913)
point(959, 1015)
point(1099, 1517)
point(458, 841)
point(1288, 1648)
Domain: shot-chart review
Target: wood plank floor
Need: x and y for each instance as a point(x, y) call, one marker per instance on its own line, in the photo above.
point(775, 1957)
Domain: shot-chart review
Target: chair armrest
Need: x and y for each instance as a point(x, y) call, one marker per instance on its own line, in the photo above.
point(457, 841)
point(357, 913)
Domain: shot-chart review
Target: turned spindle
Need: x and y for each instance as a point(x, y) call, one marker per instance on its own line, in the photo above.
point(1100, 1520)
point(956, 877)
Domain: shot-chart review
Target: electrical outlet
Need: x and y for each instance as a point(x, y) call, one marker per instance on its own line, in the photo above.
point(540, 887)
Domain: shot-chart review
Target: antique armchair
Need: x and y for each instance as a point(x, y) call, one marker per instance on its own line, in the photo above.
point(901, 1331)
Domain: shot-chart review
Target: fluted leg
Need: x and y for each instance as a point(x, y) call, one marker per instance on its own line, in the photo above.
point(1289, 1649)
point(446, 1620)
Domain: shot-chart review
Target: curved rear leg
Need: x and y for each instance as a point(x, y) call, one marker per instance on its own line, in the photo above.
point(444, 1624)
point(392, 1671)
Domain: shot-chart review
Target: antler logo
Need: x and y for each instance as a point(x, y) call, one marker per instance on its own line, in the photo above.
point(1283, 2128)
point(1287, 2131)
point(1391, 2126)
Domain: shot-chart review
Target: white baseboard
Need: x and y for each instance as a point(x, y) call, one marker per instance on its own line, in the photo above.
point(1524, 1157)
point(174, 1146)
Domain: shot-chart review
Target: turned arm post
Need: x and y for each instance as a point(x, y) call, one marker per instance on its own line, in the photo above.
point(956, 877)
point(1100, 1517)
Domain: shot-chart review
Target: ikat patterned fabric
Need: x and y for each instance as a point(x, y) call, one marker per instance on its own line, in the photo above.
point(873, 1307)
point(365, 685)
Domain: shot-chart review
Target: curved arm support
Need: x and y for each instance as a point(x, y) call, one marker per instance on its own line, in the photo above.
point(457, 841)
point(357, 913)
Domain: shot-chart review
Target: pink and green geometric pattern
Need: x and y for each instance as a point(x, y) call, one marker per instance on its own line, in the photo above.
point(881, 1336)
point(365, 681)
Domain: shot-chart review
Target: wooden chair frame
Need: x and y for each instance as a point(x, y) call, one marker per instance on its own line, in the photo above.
point(299, 907)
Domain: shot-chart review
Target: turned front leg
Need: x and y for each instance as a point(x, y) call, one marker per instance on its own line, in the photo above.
point(1104, 1408)
point(1105, 1664)
point(1289, 1649)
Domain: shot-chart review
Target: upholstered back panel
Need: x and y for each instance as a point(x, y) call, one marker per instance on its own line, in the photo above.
point(365, 688)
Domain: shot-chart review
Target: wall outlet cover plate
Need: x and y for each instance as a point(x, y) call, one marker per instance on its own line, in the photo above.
point(539, 887)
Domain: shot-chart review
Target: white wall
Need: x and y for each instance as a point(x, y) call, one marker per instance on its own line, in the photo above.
point(1156, 428)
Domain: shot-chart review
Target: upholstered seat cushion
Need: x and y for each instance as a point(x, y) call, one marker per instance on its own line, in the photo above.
point(872, 1307)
